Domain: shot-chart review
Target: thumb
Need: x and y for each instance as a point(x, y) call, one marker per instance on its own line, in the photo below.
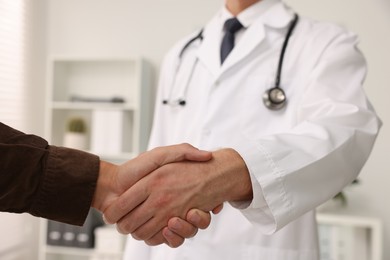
point(137, 168)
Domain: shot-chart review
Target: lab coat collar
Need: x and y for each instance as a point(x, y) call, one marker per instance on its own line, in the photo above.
point(251, 14)
point(278, 16)
point(275, 15)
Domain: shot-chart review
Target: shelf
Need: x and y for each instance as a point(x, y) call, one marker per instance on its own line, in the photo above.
point(61, 250)
point(118, 158)
point(92, 105)
point(101, 78)
point(363, 222)
point(350, 237)
point(95, 78)
point(73, 251)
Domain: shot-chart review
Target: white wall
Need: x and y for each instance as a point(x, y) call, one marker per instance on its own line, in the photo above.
point(148, 28)
point(36, 72)
point(18, 232)
point(123, 27)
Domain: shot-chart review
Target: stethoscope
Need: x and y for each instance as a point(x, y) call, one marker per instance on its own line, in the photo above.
point(274, 98)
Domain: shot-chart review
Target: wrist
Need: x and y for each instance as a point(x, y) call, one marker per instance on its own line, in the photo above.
point(105, 186)
point(233, 176)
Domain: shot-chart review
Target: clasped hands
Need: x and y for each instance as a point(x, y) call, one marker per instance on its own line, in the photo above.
point(165, 195)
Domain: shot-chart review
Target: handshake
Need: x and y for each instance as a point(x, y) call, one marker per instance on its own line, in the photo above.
point(165, 195)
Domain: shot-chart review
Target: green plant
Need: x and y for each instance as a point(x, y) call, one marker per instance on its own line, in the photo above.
point(341, 196)
point(77, 125)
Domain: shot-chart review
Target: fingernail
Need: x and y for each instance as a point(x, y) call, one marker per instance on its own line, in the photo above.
point(177, 224)
point(195, 218)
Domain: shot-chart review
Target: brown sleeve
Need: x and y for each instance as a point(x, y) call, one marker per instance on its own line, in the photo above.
point(46, 181)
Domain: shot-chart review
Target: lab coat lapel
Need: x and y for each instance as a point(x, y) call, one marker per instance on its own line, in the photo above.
point(253, 37)
point(278, 16)
point(208, 52)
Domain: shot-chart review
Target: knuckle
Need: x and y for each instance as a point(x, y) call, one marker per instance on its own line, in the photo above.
point(186, 145)
point(122, 204)
point(120, 230)
point(154, 241)
point(163, 201)
point(140, 235)
point(176, 244)
point(150, 242)
point(136, 237)
point(124, 227)
point(157, 150)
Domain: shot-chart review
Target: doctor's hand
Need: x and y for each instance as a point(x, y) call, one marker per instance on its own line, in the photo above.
point(114, 181)
point(174, 189)
point(178, 229)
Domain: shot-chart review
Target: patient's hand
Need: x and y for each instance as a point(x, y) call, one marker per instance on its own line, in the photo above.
point(114, 181)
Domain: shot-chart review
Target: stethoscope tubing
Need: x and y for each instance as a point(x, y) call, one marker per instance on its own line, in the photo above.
point(284, 47)
point(274, 98)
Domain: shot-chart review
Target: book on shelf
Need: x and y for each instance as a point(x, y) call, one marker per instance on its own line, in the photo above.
point(61, 234)
point(55, 231)
point(106, 131)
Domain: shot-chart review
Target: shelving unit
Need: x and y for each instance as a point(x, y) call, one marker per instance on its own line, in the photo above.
point(89, 87)
point(350, 237)
point(77, 88)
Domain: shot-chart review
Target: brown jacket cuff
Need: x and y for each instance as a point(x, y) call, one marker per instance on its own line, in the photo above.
point(68, 185)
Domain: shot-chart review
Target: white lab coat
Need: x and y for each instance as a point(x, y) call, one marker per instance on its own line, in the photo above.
point(298, 157)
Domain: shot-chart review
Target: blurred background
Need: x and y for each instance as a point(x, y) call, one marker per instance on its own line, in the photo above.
point(37, 35)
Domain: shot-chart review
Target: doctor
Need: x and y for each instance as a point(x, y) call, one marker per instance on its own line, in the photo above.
point(273, 163)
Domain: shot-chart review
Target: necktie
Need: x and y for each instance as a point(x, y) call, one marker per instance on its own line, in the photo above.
point(231, 26)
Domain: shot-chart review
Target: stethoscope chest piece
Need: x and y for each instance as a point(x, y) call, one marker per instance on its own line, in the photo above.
point(274, 98)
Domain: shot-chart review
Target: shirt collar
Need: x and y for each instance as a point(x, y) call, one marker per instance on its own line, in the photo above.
point(272, 13)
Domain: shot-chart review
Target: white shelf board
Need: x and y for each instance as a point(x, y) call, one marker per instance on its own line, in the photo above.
point(117, 157)
point(92, 105)
point(74, 251)
point(347, 220)
point(62, 250)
